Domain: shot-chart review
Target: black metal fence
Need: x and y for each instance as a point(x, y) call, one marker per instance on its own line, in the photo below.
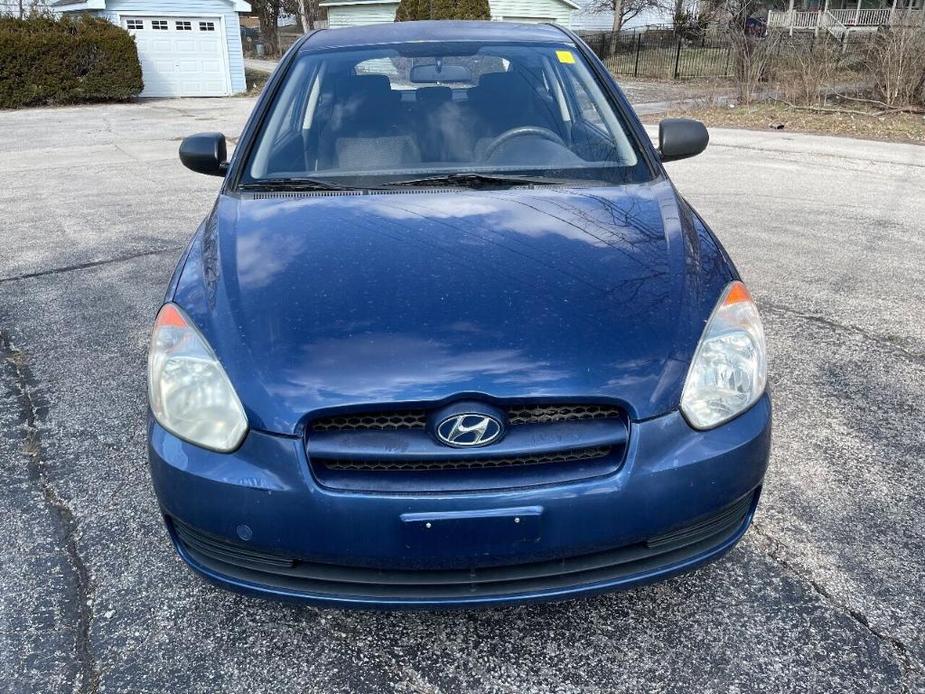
point(661, 55)
point(664, 55)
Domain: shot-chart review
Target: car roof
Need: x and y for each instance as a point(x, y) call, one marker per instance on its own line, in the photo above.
point(407, 32)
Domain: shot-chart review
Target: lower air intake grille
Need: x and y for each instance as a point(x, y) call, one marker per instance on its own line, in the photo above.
point(229, 552)
point(397, 465)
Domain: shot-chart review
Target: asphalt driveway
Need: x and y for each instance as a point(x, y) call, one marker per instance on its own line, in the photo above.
point(824, 594)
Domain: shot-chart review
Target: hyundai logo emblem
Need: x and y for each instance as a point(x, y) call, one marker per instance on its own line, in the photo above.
point(469, 429)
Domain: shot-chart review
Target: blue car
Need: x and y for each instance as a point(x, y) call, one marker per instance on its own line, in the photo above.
point(450, 337)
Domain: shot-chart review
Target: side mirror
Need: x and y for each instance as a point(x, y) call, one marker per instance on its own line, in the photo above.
point(679, 138)
point(205, 153)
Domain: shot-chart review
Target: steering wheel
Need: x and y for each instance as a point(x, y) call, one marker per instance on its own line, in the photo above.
point(522, 131)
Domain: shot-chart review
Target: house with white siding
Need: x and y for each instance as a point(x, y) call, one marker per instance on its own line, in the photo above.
point(186, 47)
point(660, 16)
point(586, 19)
point(355, 12)
point(13, 7)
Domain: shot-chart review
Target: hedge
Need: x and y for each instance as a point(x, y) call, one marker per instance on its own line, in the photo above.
point(46, 60)
point(409, 10)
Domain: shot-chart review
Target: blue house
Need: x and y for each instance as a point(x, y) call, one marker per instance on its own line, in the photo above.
point(189, 48)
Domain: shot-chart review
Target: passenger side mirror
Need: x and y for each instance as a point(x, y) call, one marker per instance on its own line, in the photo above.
point(679, 138)
point(205, 153)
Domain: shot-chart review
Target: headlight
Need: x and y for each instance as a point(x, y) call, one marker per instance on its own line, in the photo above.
point(190, 394)
point(730, 367)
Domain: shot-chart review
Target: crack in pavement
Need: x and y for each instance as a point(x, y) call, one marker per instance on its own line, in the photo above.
point(775, 548)
point(885, 341)
point(87, 676)
point(907, 662)
point(90, 264)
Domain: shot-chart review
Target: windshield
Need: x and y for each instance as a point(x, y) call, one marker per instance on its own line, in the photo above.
point(401, 113)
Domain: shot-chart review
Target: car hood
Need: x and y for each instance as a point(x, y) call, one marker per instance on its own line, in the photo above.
point(320, 301)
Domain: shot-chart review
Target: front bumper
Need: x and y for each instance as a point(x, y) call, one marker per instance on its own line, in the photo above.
point(257, 521)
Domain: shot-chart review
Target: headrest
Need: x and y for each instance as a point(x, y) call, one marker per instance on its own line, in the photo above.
point(434, 95)
point(373, 87)
point(505, 85)
point(496, 81)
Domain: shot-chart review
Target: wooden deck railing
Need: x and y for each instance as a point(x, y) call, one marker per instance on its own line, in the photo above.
point(850, 18)
point(863, 18)
point(795, 19)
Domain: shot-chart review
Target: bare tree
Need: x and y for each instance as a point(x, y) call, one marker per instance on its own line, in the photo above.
point(896, 65)
point(623, 11)
point(690, 20)
point(32, 7)
point(307, 11)
point(680, 15)
point(806, 72)
point(267, 12)
point(308, 23)
point(752, 55)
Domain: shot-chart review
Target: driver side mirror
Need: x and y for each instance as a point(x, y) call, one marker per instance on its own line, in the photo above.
point(205, 153)
point(680, 138)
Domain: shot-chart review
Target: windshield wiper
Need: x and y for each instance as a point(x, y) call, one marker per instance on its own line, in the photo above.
point(474, 180)
point(300, 183)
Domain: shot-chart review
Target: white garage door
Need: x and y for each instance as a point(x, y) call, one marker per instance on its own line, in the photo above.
point(180, 56)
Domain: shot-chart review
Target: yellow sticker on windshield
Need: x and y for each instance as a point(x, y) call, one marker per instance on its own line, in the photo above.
point(565, 57)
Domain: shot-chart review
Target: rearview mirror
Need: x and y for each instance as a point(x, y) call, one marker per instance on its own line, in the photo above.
point(205, 153)
point(440, 73)
point(679, 138)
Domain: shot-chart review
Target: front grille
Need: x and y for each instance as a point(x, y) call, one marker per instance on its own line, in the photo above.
point(373, 421)
point(399, 465)
point(417, 419)
point(322, 580)
point(387, 449)
point(545, 414)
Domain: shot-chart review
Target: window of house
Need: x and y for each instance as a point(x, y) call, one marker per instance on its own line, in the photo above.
point(184, 26)
point(159, 24)
point(134, 24)
point(206, 26)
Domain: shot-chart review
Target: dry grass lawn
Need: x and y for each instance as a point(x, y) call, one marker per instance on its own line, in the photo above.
point(894, 127)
